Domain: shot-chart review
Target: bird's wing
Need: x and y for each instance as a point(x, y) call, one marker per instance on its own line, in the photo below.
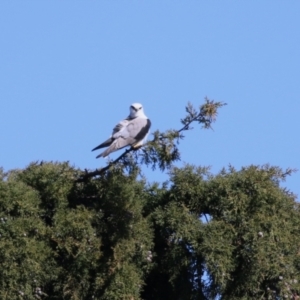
point(133, 132)
point(119, 127)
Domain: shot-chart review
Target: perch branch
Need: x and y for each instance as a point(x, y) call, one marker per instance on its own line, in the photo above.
point(206, 115)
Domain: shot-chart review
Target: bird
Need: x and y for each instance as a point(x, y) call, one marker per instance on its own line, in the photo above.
point(131, 131)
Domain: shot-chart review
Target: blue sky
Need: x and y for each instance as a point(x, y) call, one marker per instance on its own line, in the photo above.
point(70, 69)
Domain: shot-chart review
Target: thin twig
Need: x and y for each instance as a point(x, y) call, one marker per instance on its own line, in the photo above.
point(206, 218)
point(186, 126)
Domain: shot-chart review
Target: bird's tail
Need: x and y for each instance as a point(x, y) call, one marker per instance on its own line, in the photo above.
point(104, 144)
point(116, 145)
point(110, 149)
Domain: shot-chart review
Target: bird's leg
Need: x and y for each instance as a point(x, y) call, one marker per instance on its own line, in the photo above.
point(137, 145)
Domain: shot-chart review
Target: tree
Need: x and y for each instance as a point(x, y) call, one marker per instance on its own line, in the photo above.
point(110, 234)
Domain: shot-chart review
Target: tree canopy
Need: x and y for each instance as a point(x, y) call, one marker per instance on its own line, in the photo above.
point(110, 234)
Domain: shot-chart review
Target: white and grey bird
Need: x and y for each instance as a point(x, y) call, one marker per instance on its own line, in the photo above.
point(129, 132)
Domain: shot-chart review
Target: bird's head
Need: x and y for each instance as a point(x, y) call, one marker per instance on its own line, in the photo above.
point(136, 110)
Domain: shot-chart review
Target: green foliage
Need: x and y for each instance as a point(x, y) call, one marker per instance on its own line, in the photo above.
point(118, 237)
point(250, 246)
point(234, 235)
point(26, 259)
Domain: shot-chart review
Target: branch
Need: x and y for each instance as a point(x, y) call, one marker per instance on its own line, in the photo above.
point(162, 149)
point(102, 170)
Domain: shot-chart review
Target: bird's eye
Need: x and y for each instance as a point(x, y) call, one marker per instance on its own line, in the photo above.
point(135, 109)
point(140, 108)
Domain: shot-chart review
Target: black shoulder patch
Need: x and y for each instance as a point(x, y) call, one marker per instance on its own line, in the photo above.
point(144, 130)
